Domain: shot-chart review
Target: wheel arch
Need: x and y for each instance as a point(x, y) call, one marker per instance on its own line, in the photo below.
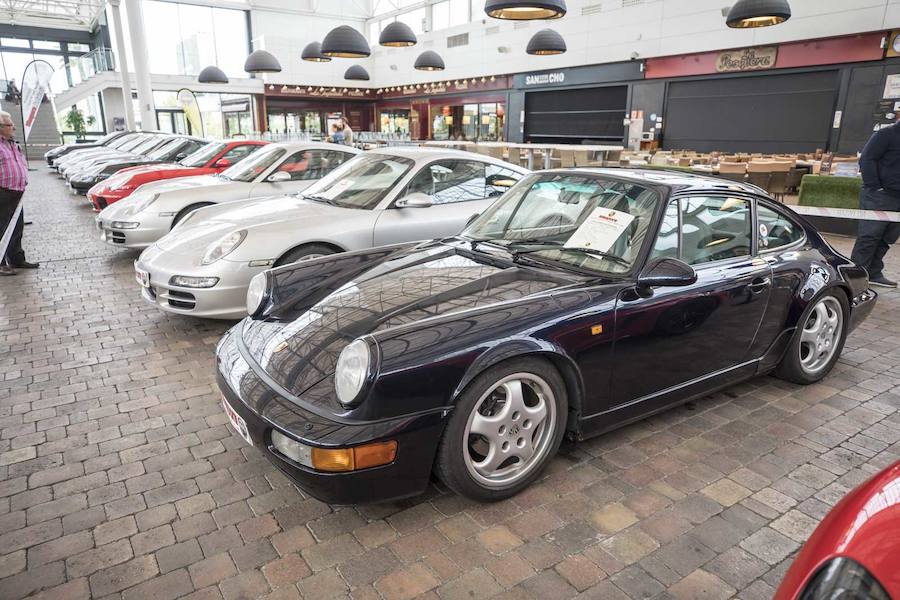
point(532, 348)
point(331, 245)
point(189, 209)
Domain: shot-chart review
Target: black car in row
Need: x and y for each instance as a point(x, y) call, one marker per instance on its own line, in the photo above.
point(580, 301)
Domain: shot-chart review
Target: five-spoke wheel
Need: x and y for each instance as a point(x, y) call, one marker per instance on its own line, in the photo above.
point(818, 341)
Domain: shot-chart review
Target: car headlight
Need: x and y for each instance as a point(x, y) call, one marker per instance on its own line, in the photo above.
point(143, 203)
point(351, 371)
point(223, 246)
point(193, 282)
point(844, 578)
point(256, 293)
point(124, 225)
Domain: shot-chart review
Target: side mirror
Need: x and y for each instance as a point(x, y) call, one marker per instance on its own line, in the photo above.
point(222, 163)
point(278, 177)
point(666, 272)
point(415, 200)
point(499, 180)
point(180, 156)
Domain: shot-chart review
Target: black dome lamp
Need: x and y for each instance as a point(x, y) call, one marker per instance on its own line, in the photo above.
point(525, 10)
point(758, 13)
point(429, 61)
point(345, 42)
point(313, 53)
point(212, 74)
point(546, 42)
point(397, 35)
point(356, 73)
point(261, 61)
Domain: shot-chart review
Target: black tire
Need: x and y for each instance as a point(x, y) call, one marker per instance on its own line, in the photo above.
point(450, 464)
point(304, 252)
point(188, 210)
point(791, 367)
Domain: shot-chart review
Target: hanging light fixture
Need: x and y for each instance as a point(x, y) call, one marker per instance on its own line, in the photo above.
point(345, 42)
point(313, 53)
point(758, 13)
point(429, 61)
point(212, 74)
point(397, 35)
point(356, 73)
point(261, 61)
point(546, 42)
point(525, 10)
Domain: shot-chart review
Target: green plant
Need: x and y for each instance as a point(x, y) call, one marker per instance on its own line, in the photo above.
point(830, 192)
point(77, 123)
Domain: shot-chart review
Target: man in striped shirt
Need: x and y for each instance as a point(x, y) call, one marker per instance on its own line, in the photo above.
point(13, 179)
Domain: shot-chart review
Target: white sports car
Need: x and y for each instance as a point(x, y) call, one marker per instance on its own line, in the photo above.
point(204, 266)
point(153, 209)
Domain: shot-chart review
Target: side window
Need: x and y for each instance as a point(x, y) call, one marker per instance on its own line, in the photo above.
point(450, 181)
point(191, 147)
point(667, 241)
point(311, 164)
point(498, 179)
point(711, 228)
point(239, 152)
point(774, 230)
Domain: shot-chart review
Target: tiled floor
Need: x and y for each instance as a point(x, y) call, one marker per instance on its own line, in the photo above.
point(118, 475)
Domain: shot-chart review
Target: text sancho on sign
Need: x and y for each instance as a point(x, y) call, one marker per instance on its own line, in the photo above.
point(748, 59)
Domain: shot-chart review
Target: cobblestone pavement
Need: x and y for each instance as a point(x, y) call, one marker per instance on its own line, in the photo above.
point(119, 478)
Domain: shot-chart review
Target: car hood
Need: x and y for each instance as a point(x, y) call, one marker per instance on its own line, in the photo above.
point(173, 191)
point(382, 288)
point(265, 220)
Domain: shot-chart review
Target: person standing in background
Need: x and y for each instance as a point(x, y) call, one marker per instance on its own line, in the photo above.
point(348, 133)
point(13, 179)
point(880, 166)
point(337, 135)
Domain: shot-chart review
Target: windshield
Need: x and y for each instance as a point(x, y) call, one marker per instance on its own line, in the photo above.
point(106, 138)
point(249, 169)
point(166, 148)
point(361, 182)
point(202, 155)
point(130, 142)
point(589, 222)
point(148, 144)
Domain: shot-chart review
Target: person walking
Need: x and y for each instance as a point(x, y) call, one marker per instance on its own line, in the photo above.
point(13, 179)
point(880, 166)
point(348, 133)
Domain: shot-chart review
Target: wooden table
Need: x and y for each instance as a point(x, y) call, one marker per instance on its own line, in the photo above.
point(530, 148)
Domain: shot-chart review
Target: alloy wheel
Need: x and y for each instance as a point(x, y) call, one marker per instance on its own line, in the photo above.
point(821, 335)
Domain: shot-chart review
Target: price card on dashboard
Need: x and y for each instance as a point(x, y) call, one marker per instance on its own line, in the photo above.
point(600, 230)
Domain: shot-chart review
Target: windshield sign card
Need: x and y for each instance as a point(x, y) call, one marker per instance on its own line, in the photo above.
point(600, 230)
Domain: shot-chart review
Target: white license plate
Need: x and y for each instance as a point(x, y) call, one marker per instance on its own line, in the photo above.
point(237, 422)
point(142, 277)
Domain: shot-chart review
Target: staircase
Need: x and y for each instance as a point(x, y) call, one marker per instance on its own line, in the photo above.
point(44, 133)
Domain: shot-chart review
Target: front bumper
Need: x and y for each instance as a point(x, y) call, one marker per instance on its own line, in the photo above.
point(225, 300)
point(264, 411)
point(137, 239)
point(83, 185)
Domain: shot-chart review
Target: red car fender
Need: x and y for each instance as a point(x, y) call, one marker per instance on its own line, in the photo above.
point(863, 526)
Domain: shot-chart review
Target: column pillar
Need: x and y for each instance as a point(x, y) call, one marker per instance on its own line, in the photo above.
point(122, 59)
point(141, 63)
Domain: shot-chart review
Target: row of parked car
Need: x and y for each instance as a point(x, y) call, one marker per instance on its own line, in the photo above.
point(580, 301)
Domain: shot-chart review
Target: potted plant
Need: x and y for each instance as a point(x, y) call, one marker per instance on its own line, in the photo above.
point(76, 122)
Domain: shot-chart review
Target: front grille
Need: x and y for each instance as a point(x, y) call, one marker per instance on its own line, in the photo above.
point(182, 300)
point(117, 237)
point(101, 202)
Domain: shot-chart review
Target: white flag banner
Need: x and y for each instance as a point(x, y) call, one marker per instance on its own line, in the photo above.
point(35, 85)
point(4, 241)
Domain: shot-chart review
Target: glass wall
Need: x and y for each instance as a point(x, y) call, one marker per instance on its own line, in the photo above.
point(282, 121)
point(185, 38)
point(394, 120)
point(470, 122)
point(224, 115)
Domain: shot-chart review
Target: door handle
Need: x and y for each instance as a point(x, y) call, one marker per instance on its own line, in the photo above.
point(759, 284)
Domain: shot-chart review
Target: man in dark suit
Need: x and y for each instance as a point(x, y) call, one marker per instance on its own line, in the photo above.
point(880, 166)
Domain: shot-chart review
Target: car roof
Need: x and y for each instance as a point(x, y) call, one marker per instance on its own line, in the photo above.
point(677, 181)
point(294, 146)
point(419, 153)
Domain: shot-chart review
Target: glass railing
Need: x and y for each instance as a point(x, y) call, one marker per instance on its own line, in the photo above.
point(82, 68)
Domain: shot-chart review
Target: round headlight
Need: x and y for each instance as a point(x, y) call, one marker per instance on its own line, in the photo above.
point(256, 293)
point(351, 371)
point(223, 246)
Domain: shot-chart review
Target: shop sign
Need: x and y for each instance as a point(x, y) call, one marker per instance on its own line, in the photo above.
point(321, 92)
point(892, 87)
point(545, 78)
point(748, 59)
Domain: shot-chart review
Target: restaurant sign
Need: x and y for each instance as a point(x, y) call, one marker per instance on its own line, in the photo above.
point(748, 59)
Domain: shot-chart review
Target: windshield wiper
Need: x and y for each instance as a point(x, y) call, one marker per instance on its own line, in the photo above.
point(591, 251)
point(322, 199)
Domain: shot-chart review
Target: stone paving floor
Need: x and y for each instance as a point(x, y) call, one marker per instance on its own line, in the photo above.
point(119, 477)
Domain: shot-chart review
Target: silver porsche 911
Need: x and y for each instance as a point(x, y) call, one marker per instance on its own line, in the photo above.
point(203, 267)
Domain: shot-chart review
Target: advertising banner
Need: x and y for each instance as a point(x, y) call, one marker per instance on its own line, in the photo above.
point(35, 84)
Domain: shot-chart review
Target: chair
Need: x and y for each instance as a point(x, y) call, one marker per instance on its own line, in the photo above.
point(778, 184)
point(567, 159)
point(733, 171)
point(581, 158)
point(795, 178)
point(759, 178)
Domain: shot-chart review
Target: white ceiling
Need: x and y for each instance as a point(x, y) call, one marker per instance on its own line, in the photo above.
point(69, 14)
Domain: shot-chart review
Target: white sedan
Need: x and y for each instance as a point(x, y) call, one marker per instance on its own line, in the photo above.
point(204, 266)
point(154, 208)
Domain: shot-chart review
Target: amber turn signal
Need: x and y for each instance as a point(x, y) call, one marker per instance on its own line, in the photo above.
point(353, 459)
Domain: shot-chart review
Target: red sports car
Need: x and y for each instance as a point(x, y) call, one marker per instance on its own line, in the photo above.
point(211, 158)
point(854, 553)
